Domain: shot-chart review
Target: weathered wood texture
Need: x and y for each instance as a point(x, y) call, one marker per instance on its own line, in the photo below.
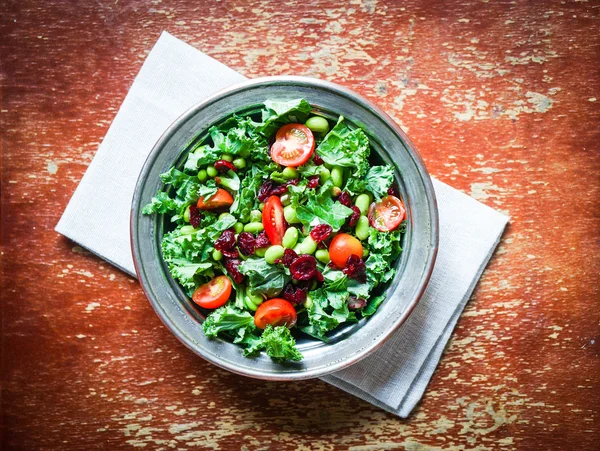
point(503, 101)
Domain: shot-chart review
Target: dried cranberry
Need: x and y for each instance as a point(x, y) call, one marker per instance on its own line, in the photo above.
point(317, 159)
point(226, 241)
point(353, 218)
point(231, 253)
point(246, 243)
point(321, 245)
point(304, 267)
point(232, 267)
point(355, 303)
point(319, 276)
point(265, 190)
point(289, 256)
point(321, 232)
point(295, 295)
point(356, 268)
point(282, 189)
point(345, 199)
point(392, 191)
point(262, 240)
point(313, 181)
point(195, 216)
point(224, 166)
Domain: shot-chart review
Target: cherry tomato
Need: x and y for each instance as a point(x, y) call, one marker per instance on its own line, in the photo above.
point(219, 200)
point(387, 214)
point(293, 146)
point(341, 247)
point(273, 220)
point(276, 312)
point(214, 293)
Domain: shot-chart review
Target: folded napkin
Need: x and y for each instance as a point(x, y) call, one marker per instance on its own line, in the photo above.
point(174, 77)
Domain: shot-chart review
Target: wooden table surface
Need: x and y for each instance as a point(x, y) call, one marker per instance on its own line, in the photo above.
point(502, 99)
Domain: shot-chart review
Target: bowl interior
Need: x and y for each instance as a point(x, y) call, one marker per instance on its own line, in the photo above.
point(349, 343)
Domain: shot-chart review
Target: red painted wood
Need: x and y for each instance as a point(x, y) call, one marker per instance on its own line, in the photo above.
point(501, 98)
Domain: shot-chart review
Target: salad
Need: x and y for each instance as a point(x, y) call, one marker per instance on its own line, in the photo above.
point(280, 226)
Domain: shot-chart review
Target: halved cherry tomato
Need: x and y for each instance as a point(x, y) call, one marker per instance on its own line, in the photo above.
point(293, 146)
point(214, 293)
point(387, 214)
point(276, 312)
point(273, 220)
point(341, 247)
point(219, 200)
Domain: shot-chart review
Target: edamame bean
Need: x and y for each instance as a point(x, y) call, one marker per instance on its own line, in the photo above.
point(186, 214)
point(238, 227)
point(324, 174)
point(211, 171)
point(285, 199)
point(256, 299)
point(239, 163)
point(217, 255)
point(254, 227)
point(362, 202)
point(289, 213)
point(307, 246)
point(362, 228)
point(323, 256)
point(290, 238)
point(318, 124)
point(365, 253)
point(261, 206)
point(227, 157)
point(260, 252)
point(290, 173)
point(187, 230)
point(249, 304)
point(202, 175)
point(308, 303)
point(335, 191)
point(255, 216)
point(273, 253)
point(337, 176)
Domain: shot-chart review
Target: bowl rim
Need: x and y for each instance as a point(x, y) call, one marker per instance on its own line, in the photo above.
point(420, 166)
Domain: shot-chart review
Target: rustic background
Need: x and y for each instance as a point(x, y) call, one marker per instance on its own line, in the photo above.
point(502, 99)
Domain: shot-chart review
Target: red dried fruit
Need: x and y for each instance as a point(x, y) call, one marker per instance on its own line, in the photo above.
point(321, 245)
point(224, 166)
point(317, 159)
point(392, 191)
point(319, 276)
point(355, 303)
point(321, 232)
point(304, 267)
point(282, 189)
point(226, 241)
point(353, 218)
point(246, 243)
point(262, 240)
point(313, 182)
point(265, 190)
point(345, 199)
point(195, 217)
point(289, 256)
point(232, 267)
point(295, 295)
point(356, 268)
point(231, 253)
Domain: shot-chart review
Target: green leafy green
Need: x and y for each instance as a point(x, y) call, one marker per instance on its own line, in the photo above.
point(379, 179)
point(321, 209)
point(346, 147)
point(264, 278)
point(372, 305)
point(161, 203)
point(278, 113)
point(227, 318)
point(279, 344)
point(328, 310)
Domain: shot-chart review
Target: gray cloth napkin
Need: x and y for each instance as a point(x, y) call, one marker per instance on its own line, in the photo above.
point(174, 77)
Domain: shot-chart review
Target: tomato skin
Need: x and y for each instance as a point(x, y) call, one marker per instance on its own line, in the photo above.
point(219, 200)
point(387, 214)
point(341, 247)
point(276, 312)
point(294, 144)
point(213, 294)
point(273, 220)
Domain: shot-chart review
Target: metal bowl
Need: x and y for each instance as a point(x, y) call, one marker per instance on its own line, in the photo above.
point(348, 344)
